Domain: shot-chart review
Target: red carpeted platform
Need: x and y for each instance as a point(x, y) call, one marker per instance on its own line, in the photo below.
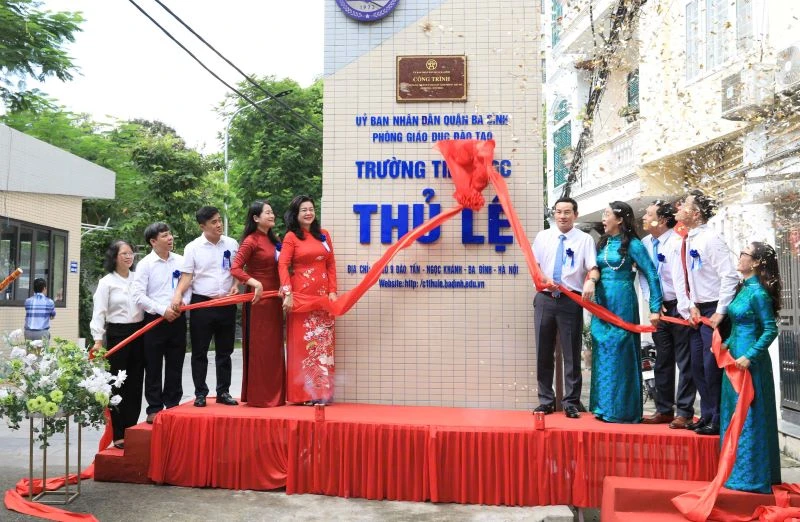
point(415, 453)
point(633, 500)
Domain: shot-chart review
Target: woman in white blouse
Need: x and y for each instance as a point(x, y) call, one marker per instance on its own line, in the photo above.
point(116, 316)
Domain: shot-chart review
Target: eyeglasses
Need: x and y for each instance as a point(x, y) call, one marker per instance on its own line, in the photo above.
point(743, 253)
point(126, 254)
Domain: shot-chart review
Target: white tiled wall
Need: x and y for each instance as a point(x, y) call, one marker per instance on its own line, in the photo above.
point(434, 346)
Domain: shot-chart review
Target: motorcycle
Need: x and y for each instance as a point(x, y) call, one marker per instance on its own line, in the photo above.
point(648, 372)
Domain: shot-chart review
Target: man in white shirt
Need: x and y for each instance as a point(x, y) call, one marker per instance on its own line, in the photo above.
point(708, 270)
point(153, 286)
point(565, 255)
point(671, 340)
point(207, 270)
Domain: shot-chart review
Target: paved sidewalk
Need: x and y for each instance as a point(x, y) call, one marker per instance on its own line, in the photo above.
point(124, 502)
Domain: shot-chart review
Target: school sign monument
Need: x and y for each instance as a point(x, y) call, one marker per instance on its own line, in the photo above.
point(450, 321)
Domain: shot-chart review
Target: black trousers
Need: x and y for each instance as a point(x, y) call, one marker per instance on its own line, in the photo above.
point(218, 323)
point(131, 359)
point(165, 343)
point(672, 348)
point(564, 318)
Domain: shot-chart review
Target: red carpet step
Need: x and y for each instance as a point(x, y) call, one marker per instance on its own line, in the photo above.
point(128, 465)
point(635, 499)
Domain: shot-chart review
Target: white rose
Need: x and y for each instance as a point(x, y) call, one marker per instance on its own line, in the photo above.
point(120, 378)
point(37, 344)
point(116, 399)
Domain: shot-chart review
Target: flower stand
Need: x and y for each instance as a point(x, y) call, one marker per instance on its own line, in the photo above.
point(63, 495)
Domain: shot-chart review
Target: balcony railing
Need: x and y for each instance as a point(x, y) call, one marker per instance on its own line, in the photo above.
point(575, 24)
point(608, 162)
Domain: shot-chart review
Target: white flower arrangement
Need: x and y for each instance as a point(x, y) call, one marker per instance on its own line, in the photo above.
point(53, 380)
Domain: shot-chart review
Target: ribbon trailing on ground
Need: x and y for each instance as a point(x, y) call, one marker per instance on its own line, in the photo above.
point(15, 501)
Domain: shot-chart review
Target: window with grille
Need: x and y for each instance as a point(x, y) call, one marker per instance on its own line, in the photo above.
point(40, 252)
point(557, 12)
point(633, 89)
point(562, 142)
point(562, 109)
point(692, 40)
point(717, 23)
point(745, 37)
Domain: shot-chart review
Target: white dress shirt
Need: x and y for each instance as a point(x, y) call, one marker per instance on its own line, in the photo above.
point(155, 282)
point(210, 266)
point(574, 267)
point(113, 303)
point(669, 244)
point(713, 276)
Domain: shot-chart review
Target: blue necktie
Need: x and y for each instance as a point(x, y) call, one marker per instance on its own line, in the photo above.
point(655, 254)
point(559, 263)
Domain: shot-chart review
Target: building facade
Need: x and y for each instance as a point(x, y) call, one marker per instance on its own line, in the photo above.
point(698, 94)
point(41, 192)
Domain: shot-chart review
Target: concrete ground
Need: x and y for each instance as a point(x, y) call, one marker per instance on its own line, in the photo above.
point(123, 502)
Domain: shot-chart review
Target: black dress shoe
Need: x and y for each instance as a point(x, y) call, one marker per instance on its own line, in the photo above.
point(547, 409)
point(226, 399)
point(200, 401)
point(571, 412)
point(695, 425)
point(708, 429)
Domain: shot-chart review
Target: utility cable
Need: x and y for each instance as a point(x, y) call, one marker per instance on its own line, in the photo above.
point(247, 77)
point(212, 73)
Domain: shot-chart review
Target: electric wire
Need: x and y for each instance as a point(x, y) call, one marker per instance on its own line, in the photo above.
point(226, 84)
point(248, 78)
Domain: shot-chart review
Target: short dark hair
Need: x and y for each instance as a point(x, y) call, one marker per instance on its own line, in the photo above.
point(39, 285)
point(567, 200)
point(705, 204)
point(153, 230)
point(666, 210)
point(110, 260)
point(204, 214)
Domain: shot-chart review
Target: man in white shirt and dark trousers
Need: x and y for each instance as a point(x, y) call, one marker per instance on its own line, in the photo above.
point(671, 340)
point(207, 270)
point(565, 255)
point(154, 284)
point(708, 272)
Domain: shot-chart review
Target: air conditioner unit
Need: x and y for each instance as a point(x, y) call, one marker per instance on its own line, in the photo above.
point(787, 76)
point(748, 94)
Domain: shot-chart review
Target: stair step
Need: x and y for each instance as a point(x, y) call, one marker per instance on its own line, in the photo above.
point(128, 465)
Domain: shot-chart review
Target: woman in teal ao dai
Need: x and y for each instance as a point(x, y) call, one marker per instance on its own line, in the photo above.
point(616, 391)
point(752, 315)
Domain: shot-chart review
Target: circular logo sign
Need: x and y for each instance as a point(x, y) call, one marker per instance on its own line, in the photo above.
point(367, 11)
point(431, 65)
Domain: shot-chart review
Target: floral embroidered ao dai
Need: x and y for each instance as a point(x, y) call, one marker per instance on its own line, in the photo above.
point(310, 336)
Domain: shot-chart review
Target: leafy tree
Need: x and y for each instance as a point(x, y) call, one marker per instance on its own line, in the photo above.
point(31, 46)
point(279, 156)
